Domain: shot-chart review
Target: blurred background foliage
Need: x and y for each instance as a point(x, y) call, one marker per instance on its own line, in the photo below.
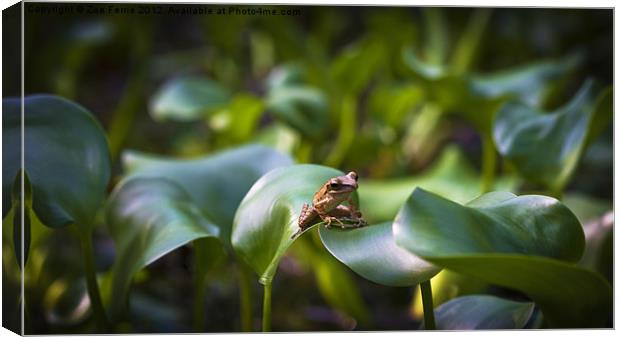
point(406, 96)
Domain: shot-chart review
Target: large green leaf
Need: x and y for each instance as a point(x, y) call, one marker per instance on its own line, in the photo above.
point(267, 217)
point(147, 218)
point(451, 177)
point(216, 183)
point(545, 147)
point(372, 253)
point(482, 312)
point(528, 243)
point(188, 98)
point(66, 159)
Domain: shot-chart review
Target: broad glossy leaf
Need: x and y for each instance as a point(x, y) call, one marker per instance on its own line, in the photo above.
point(147, 218)
point(267, 217)
point(66, 158)
point(216, 182)
point(303, 108)
point(496, 222)
point(451, 177)
point(526, 243)
point(478, 312)
point(545, 147)
point(372, 253)
point(188, 98)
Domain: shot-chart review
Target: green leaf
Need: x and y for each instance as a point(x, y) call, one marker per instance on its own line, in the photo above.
point(526, 83)
point(392, 103)
point(353, 69)
point(477, 312)
point(302, 107)
point(267, 217)
point(216, 182)
point(148, 218)
point(238, 119)
point(478, 97)
point(496, 222)
point(66, 159)
point(451, 177)
point(526, 243)
point(520, 130)
point(188, 98)
point(467, 47)
point(373, 254)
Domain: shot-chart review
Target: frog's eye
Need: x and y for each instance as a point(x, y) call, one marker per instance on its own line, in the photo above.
point(334, 186)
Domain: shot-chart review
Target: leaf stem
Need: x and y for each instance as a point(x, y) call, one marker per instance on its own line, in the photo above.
point(267, 307)
point(427, 304)
point(245, 298)
point(91, 280)
point(200, 286)
point(488, 163)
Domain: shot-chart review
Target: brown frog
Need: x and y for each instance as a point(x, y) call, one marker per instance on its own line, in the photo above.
point(327, 205)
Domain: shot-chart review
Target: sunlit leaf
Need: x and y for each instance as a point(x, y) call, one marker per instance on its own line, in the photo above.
point(188, 98)
point(267, 217)
point(372, 253)
point(527, 243)
point(216, 182)
point(546, 147)
point(147, 218)
point(66, 159)
point(479, 312)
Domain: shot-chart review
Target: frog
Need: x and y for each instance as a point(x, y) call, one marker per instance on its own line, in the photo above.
point(327, 205)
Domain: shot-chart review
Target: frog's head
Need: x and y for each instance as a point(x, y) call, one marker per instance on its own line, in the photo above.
point(342, 184)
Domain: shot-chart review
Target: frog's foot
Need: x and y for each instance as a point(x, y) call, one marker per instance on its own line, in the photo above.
point(329, 219)
point(361, 223)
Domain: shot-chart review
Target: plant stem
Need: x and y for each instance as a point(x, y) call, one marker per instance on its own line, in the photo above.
point(130, 103)
point(200, 285)
point(427, 304)
point(91, 280)
point(488, 163)
point(245, 298)
point(267, 307)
